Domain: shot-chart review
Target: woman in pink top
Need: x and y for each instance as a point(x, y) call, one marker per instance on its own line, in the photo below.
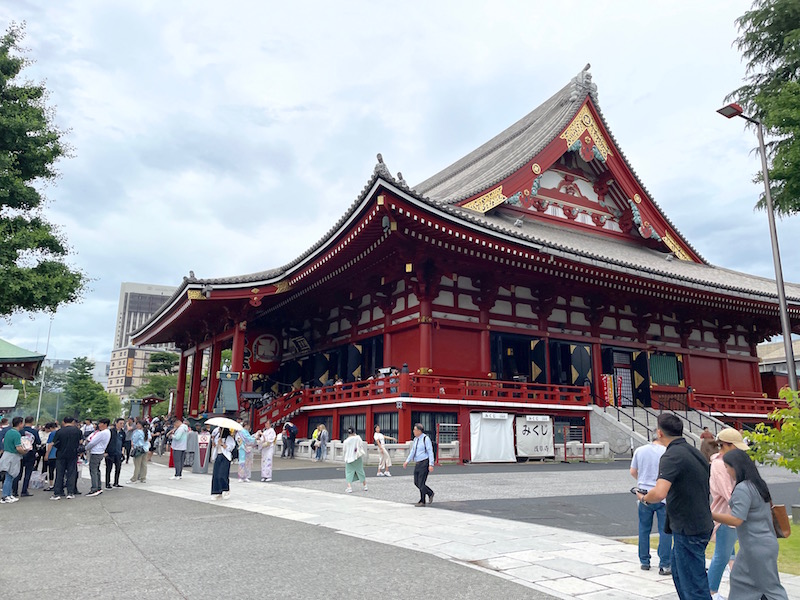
point(721, 489)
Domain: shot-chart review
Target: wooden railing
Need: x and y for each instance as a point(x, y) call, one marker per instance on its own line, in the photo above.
point(735, 404)
point(424, 386)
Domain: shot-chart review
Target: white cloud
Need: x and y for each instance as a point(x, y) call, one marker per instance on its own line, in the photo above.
point(227, 138)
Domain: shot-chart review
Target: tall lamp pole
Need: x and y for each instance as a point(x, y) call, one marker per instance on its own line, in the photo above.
point(41, 384)
point(734, 110)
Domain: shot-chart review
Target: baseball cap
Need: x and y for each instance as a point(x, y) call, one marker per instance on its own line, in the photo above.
point(731, 436)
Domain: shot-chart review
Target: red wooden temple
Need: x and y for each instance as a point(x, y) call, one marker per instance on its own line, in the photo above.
point(522, 278)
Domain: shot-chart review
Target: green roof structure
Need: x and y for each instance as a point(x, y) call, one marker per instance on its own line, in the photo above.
point(18, 362)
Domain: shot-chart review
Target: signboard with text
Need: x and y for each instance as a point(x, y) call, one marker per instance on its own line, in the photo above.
point(535, 436)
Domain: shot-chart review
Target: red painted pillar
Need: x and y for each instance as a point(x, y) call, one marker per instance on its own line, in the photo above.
point(213, 382)
point(180, 393)
point(597, 370)
point(425, 336)
point(237, 360)
point(197, 375)
point(404, 423)
point(485, 342)
point(388, 359)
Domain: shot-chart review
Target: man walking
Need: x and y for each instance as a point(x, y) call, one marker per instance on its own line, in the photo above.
point(114, 452)
point(10, 462)
point(683, 480)
point(644, 468)
point(422, 454)
point(96, 448)
point(179, 439)
point(66, 442)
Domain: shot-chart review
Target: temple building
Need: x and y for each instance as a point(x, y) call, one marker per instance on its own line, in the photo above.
point(534, 276)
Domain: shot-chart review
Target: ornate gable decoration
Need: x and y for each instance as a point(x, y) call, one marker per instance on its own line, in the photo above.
point(487, 202)
point(593, 145)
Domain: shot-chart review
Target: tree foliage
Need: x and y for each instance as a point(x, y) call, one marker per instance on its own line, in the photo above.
point(769, 41)
point(33, 274)
point(165, 363)
point(773, 446)
point(84, 397)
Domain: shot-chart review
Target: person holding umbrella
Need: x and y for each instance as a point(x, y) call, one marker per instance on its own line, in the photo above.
point(224, 445)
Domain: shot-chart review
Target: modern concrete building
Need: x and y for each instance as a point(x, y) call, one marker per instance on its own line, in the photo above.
point(61, 366)
point(128, 367)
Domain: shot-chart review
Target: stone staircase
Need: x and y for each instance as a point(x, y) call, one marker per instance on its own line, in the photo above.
point(626, 428)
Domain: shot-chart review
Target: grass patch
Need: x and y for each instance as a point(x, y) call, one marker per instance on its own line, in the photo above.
point(788, 551)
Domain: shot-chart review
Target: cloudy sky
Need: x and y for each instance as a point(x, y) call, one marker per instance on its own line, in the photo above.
point(226, 137)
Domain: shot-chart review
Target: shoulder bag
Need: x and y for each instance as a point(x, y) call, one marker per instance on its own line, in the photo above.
point(780, 520)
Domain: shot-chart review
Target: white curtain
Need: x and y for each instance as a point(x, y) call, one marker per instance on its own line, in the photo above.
point(492, 439)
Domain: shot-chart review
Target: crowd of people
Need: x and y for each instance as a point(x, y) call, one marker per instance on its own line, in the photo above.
point(697, 496)
point(51, 456)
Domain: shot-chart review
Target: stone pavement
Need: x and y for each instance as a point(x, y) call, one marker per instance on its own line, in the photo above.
point(563, 564)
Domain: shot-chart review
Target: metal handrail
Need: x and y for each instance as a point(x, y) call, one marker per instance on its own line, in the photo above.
point(632, 419)
point(687, 408)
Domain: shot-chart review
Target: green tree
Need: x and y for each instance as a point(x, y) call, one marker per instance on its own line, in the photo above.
point(83, 396)
point(165, 363)
point(157, 385)
point(769, 40)
point(33, 274)
point(773, 446)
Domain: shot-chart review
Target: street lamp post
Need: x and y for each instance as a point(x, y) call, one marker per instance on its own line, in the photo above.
point(734, 110)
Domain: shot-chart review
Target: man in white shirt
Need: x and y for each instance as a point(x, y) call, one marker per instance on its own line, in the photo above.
point(644, 468)
point(96, 447)
point(179, 435)
point(421, 453)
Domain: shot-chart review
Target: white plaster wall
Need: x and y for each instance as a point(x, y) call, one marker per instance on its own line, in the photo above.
point(709, 337)
point(525, 311)
point(465, 301)
point(654, 329)
point(412, 300)
point(558, 316)
point(445, 298)
point(465, 283)
point(578, 318)
point(501, 307)
point(626, 325)
point(609, 323)
point(523, 293)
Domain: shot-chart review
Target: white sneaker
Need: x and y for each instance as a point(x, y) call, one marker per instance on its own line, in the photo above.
point(349, 490)
point(379, 474)
point(387, 474)
point(226, 495)
point(131, 481)
point(247, 480)
point(718, 596)
point(173, 478)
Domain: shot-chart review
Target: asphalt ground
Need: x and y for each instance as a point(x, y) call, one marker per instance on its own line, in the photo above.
point(530, 492)
point(129, 543)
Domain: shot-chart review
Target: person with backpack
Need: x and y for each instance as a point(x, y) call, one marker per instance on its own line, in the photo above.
point(30, 440)
point(292, 430)
point(421, 453)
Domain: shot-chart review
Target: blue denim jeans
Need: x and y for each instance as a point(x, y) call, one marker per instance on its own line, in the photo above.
point(8, 484)
point(646, 514)
point(726, 538)
point(689, 566)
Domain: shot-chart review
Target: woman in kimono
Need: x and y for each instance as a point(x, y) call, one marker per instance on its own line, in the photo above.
point(266, 443)
point(224, 444)
point(247, 444)
point(755, 572)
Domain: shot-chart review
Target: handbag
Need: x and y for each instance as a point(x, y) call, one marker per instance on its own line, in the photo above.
point(780, 521)
point(360, 452)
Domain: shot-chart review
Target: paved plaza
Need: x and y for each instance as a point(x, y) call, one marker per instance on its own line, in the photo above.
point(301, 534)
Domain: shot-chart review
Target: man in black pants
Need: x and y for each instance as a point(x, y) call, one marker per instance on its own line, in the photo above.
point(31, 437)
point(66, 442)
point(114, 452)
point(422, 454)
point(683, 475)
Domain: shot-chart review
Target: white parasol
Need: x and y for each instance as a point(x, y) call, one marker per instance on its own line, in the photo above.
point(224, 422)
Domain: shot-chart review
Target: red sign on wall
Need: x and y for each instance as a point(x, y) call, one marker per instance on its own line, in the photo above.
point(262, 353)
